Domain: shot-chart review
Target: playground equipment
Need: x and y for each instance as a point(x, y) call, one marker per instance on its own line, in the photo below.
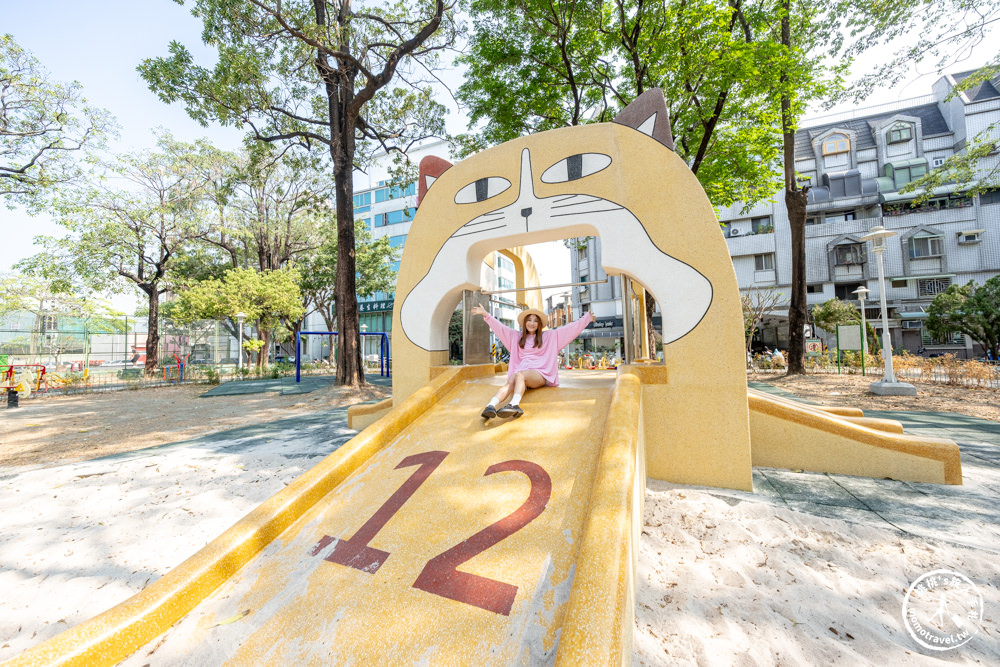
point(513, 543)
point(383, 350)
point(174, 373)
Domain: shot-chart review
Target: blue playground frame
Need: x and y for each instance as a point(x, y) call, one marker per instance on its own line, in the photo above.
point(383, 351)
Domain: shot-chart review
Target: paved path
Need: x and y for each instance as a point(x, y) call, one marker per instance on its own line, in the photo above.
point(968, 514)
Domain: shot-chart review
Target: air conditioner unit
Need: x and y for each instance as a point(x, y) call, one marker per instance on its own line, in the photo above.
point(735, 232)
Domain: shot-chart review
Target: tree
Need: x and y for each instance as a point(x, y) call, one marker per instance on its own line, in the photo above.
point(265, 297)
point(315, 74)
point(756, 304)
point(834, 312)
point(534, 66)
point(971, 310)
point(127, 229)
point(44, 128)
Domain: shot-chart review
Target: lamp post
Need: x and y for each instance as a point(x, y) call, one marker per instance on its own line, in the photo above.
point(364, 345)
point(888, 386)
point(862, 292)
point(239, 352)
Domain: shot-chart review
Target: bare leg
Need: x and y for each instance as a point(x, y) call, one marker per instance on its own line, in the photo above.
point(524, 380)
point(504, 392)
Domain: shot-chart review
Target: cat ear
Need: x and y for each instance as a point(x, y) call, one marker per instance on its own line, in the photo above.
point(431, 167)
point(648, 114)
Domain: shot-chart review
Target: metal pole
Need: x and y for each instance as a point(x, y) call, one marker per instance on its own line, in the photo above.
point(626, 320)
point(886, 338)
point(298, 356)
point(864, 334)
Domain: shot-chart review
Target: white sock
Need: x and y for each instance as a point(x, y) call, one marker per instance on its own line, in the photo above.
point(516, 400)
point(493, 402)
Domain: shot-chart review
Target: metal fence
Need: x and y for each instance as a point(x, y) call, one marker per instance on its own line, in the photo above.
point(71, 344)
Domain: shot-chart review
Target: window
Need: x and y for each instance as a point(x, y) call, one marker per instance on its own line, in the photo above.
point(397, 241)
point(393, 217)
point(926, 246)
point(814, 289)
point(848, 255)
point(504, 283)
point(813, 220)
point(990, 197)
point(840, 216)
point(763, 262)
point(504, 263)
point(581, 254)
point(932, 286)
point(899, 284)
point(972, 236)
point(899, 133)
point(903, 172)
point(836, 144)
point(937, 162)
point(761, 225)
point(362, 202)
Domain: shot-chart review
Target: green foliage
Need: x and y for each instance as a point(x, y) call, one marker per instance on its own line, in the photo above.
point(835, 312)
point(534, 66)
point(264, 297)
point(971, 310)
point(316, 74)
point(46, 129)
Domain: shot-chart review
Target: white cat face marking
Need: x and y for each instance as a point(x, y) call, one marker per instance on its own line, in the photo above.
point(684, 294)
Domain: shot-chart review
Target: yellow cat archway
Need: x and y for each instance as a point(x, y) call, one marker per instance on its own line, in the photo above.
point(621, 182)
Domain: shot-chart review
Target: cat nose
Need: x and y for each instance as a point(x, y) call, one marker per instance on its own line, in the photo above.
point(525, 212)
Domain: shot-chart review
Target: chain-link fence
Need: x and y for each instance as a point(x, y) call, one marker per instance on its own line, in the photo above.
point(66, 354)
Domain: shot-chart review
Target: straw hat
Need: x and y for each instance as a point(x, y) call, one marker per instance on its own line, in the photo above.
point(543, 318)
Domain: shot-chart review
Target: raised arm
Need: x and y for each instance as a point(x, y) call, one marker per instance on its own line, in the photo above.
point(506, 335)
point(565, 334)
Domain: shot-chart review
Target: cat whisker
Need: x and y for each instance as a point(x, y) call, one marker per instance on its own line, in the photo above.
point(481, 222)
point(586, 212)
point(478, 231)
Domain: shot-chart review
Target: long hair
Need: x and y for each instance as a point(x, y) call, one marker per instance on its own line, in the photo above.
point(538, 334)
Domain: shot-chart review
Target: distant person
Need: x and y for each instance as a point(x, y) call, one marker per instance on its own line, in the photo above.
point(135, 356)
point(534, 357)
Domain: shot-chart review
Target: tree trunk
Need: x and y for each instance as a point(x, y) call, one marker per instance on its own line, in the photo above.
point(152, 330)
point(350, 372)
point(795, 204)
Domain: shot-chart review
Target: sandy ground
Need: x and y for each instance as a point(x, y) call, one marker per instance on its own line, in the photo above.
point(852, 391)
point(85, 426)
point(720, 581)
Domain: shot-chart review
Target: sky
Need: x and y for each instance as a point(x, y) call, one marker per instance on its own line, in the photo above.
point(99, 44)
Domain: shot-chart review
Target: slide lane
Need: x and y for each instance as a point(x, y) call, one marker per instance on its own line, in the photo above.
point(453, 544)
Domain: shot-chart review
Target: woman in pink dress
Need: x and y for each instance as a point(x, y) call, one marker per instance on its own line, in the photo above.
point(534, 357)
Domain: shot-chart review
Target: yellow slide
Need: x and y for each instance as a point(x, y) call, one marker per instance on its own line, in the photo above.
point(430, 536)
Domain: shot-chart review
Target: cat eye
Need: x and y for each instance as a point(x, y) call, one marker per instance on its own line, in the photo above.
point(481, 190)
point(575, 167)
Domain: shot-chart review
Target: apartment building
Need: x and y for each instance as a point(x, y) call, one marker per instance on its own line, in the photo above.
point(855, 165)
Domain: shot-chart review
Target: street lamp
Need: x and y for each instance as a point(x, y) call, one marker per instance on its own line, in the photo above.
point(364, 344)
point(239, 352)
point(862, 292)
point(888, 386)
